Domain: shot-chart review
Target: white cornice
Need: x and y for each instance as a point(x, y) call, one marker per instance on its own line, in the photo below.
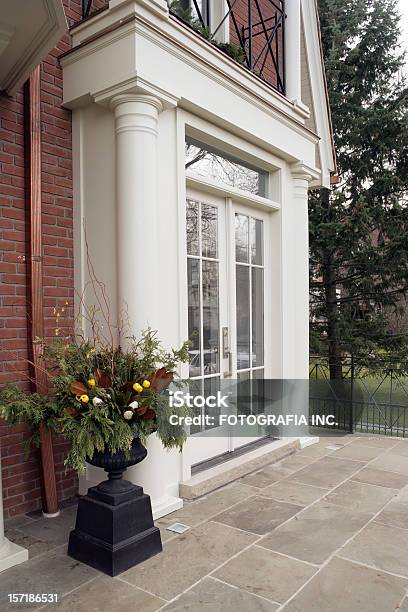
point(37, 48)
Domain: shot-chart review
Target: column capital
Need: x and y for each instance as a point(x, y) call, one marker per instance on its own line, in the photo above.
point(304, 172)
point(134, 99)
point(136, 112)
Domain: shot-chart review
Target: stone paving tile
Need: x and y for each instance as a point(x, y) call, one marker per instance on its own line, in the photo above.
point(391, 462)
point(361, 496)
point(266, 476)
point(314, 451)
point(258, 515)
point(187, 558)
point(213, 596)
point(382, 546)
point(316, 533)
point(266, 573)
point(402, 497)
point(400, 449)
point(34, 546)
point(381, 478)
point(18, 521)
point(205, 507)
point(294, 492)
point(295, 462)
point(376, 442)
point(105, 593)
point(343, 585)
point(165, 534)
point(395, 514)
point(326, 472)
point(359, 452)
point(53, 530)
point(53, 572)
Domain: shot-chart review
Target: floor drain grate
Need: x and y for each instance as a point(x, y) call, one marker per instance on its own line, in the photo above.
point(178, 527)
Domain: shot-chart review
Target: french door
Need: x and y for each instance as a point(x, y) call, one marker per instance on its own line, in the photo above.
point(227, 270)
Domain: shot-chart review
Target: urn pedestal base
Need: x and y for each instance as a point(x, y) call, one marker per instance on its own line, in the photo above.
point(114, 528)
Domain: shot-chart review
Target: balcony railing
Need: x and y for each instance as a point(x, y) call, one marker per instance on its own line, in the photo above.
point(250, 31)
point(253, 29)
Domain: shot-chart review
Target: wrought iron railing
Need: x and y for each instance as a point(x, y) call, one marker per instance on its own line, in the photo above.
point(370, 397)
point(86, 8)
point(254, 31)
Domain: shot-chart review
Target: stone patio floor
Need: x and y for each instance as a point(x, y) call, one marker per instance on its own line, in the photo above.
point(324, 530)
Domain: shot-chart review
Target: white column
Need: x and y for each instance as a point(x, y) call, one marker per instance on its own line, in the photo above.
point(295, 275)
point(138, 270)
point(295, 296)
point(10, 553)
point(292, 51)
point(141, 263)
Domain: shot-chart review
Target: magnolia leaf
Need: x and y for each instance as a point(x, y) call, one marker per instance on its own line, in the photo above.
point(141, 410)
point(161, 379)
point(72, 412)
point(102, 380)
point(77, 388)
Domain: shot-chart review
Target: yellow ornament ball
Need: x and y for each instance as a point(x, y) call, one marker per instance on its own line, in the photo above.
point(84, 398)
point(91, 382)
point(146, 384)
point(138, 388)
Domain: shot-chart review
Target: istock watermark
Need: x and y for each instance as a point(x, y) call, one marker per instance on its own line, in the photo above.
point(177, 399)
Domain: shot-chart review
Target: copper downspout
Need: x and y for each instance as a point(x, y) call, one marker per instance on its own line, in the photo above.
point(32, 104)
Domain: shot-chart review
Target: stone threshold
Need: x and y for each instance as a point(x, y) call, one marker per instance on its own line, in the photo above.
point(209, 480)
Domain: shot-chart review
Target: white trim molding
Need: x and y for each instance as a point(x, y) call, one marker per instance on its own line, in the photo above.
point(319, 89)
point(10, 553)
point(27, 48)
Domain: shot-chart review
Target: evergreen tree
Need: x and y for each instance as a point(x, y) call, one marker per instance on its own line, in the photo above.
point(359, 229)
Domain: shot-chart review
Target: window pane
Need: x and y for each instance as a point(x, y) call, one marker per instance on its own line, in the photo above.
point(242, 291)
point(211, 331)
point(244, 393)
point(194, 326)
point(241, 238)
point(195, 387)
point(256, 241)
point(209, 230)
point(208, 163)
point(211, 387)
point(192, 227)
point(257, 316)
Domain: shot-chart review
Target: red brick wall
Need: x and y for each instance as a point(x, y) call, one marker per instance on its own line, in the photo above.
point(21, 477)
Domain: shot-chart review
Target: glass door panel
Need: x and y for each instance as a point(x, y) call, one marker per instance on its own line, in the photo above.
point(207, 314)
point(250, 318)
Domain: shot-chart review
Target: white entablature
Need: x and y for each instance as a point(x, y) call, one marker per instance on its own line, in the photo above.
point(138, 47)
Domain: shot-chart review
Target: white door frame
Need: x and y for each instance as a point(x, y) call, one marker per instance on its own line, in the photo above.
point(205, 445)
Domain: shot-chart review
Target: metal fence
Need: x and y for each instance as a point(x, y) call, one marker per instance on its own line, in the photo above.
point(370, 397)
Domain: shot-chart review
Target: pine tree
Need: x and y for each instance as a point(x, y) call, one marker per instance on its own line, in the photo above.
point(359, 229)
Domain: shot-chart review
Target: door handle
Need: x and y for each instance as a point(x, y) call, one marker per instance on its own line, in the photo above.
point(228, 373)
point(226, 351)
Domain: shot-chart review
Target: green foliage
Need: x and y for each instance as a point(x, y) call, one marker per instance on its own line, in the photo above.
point(359, 236)
point(102, 396)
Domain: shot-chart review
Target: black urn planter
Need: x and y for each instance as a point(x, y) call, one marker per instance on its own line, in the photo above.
point(114, 527)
